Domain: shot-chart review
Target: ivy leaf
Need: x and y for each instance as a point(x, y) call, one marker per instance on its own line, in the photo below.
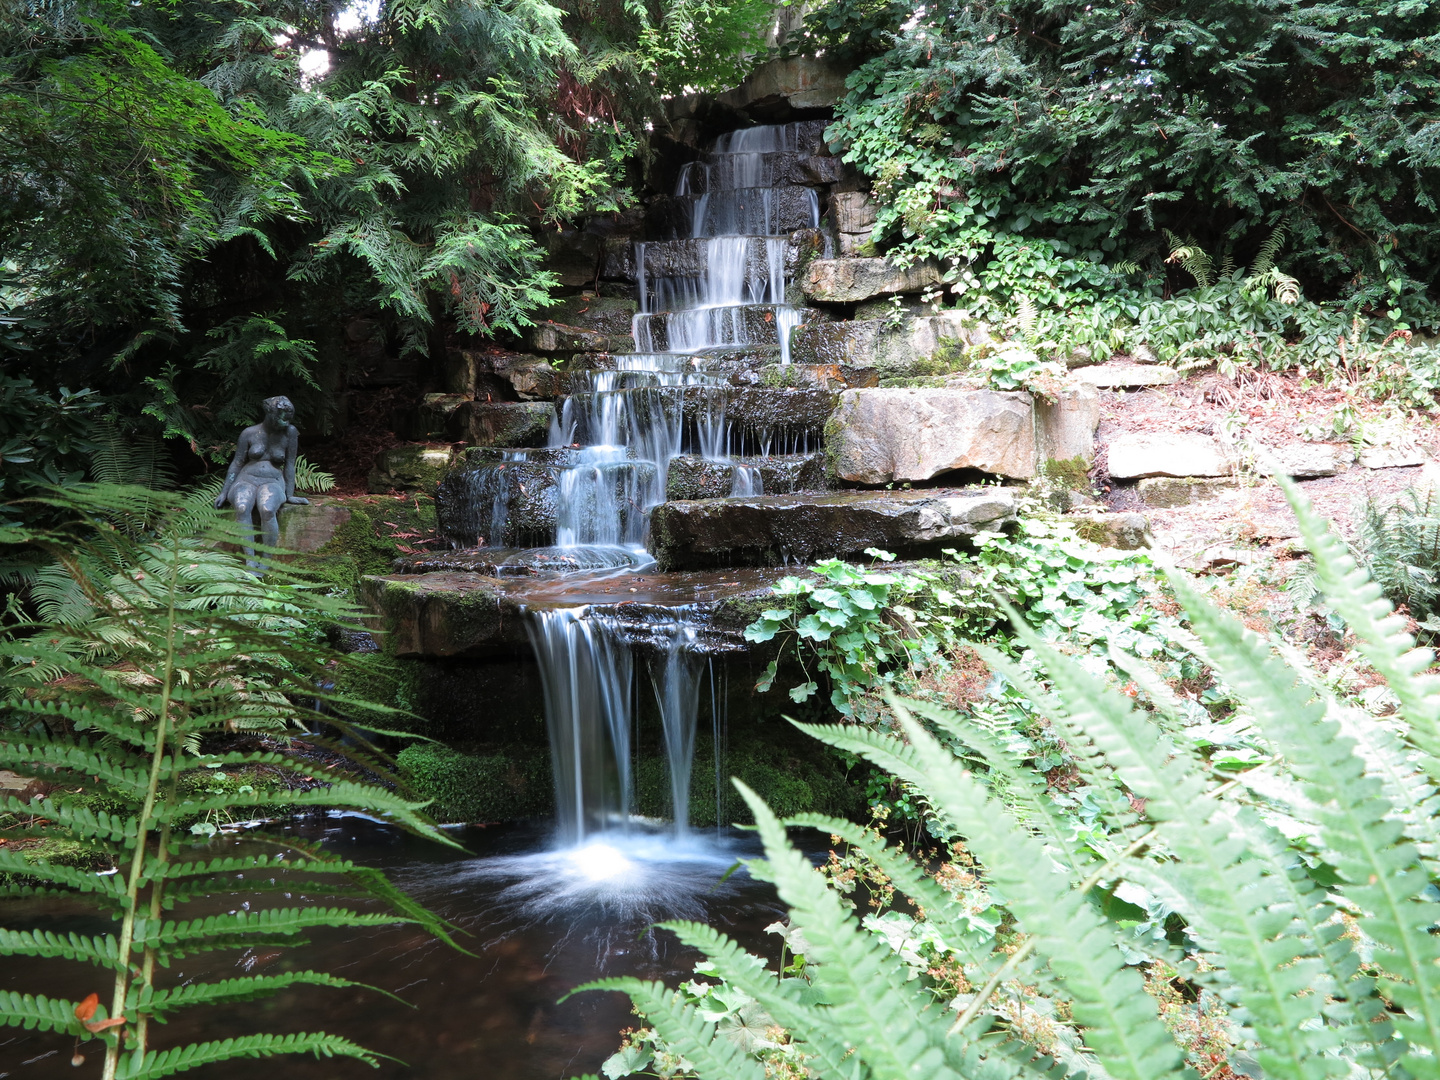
point(803, 691)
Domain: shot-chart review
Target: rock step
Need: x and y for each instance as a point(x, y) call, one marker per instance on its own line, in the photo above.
point(690, 258)
point(749, 418)
point(914, 346)
point(847, 281)
point(692, 477)
point(462, 613)
point(757, 371)
point(770, 530)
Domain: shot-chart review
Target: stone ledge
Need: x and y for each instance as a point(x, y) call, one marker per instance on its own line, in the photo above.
point(769, 530)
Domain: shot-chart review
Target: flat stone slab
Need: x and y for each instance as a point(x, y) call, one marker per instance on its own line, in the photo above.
point(843, 281)
point(1392, 457)
point(1165, 492)
point(1135, 454)
point(877, 436)
point(1118, 375)
point(770, 530)
point(416, 467)
point(459, 613)
point(1302, 461)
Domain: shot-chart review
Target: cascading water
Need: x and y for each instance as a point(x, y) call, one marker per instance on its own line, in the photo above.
point(716, 292)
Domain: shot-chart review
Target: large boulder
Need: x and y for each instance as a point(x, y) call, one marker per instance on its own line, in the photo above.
point(777, 88)
point(771, 530)
point(917, 345)
point(1135, 454)
point(1065, 425)
point(844, 281)
point(409, 468)
point(878, 436)
point(307, 529)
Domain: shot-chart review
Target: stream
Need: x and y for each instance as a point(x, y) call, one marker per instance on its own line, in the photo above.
point(538, 920)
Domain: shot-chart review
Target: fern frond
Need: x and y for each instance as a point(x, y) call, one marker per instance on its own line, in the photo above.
point(94, 761)
point(682, 1027)
point(908, 878)
point(789, 1001)
point(1238, 910)
point(14, 862)
point(101, 951)
point(864, 983)
point(1381, 871)
point(79, 820)
point(1265, 257)
point(1380, 634)
point(157, 1003)
point(1122, 1022)
point(274, 921)
point(36, 1012)
point(143, 1066)
point(1192, 258)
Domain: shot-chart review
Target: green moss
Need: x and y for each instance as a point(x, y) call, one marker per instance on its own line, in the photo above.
point(382, 680)
point(947, 359)
point(1069, 474)
point(513, 783)
point(366, 544)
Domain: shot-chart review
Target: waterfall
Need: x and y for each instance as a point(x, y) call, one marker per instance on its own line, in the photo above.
point(720, 288)
point(588, 669)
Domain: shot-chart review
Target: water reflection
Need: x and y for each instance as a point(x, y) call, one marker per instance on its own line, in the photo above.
point(538, 922)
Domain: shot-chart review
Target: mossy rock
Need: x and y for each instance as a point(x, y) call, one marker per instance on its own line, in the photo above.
point(512, 783)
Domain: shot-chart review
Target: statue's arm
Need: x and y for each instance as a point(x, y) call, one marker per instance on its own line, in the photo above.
point(233, 471)
point(292, 449)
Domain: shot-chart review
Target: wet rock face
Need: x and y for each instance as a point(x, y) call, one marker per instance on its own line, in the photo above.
point(769, 530)
point(504, 423)
point(510, 504)
point(843, 281)
point(688, 258)
point(701, 478)
point(877, 436)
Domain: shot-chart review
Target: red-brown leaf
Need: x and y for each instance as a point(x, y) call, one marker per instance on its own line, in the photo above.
point(97, 1026)
point(86, 1008)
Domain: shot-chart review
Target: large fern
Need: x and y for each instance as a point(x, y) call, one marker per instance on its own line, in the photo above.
point(179, 644)
point(1322, 948)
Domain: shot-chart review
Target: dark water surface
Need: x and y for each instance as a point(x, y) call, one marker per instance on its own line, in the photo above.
point(539, 925)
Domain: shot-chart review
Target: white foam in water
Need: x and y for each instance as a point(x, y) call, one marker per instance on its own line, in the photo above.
point(637, 875)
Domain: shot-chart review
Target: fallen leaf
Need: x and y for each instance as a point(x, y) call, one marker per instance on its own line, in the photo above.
point(97, 1026)
point(86, 1008)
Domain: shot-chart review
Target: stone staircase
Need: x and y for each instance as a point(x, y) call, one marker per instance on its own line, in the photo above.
point(732, 351)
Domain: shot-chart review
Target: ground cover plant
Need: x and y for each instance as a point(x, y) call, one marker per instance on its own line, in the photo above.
point(1276, 907)
point(155, 642)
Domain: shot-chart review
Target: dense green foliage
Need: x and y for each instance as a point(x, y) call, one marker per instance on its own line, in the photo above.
point(1090, 156)
point(1277, 913)
point(189, 191)
point(153, 642)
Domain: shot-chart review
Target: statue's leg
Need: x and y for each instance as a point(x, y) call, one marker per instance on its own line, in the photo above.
point(242, 498)
point(271, 498)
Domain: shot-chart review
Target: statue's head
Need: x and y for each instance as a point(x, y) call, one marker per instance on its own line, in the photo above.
point(278, 410)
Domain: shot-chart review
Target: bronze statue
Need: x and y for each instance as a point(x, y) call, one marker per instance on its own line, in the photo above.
point(261, 479)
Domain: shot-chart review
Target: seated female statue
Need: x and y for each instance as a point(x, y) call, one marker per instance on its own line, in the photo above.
point(261, 479)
